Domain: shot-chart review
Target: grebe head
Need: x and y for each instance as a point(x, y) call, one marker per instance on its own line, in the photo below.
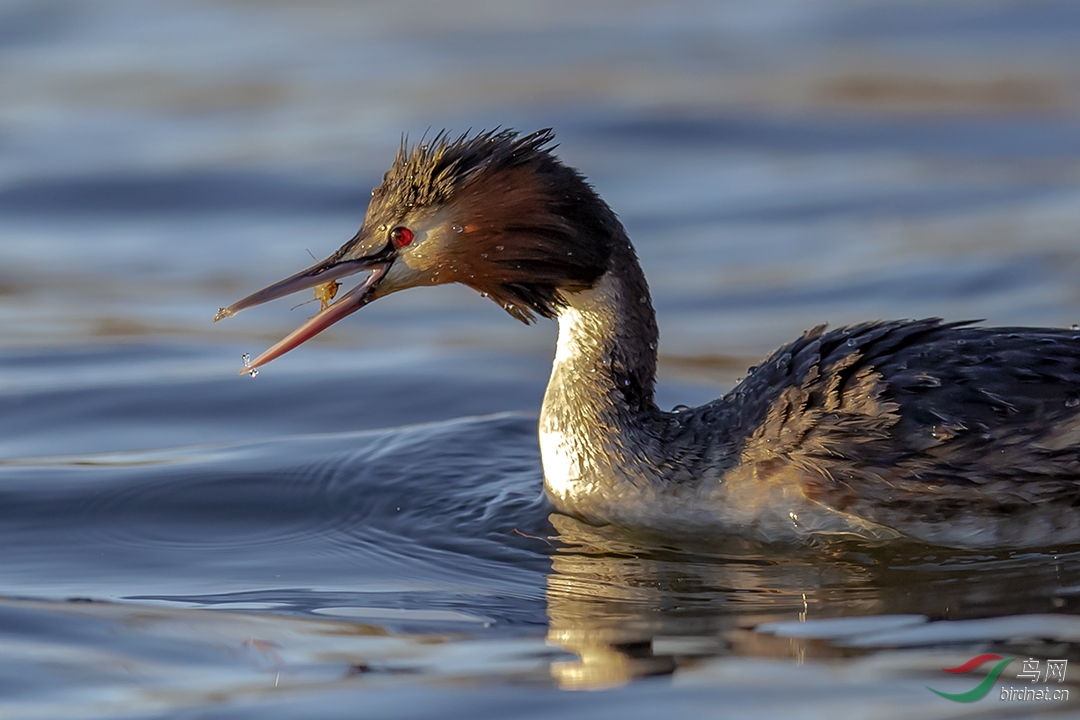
point(496, 211)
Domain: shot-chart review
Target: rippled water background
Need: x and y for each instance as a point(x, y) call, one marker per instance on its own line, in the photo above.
point(360, 531)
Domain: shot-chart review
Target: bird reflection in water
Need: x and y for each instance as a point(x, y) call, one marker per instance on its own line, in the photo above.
point(630, 607)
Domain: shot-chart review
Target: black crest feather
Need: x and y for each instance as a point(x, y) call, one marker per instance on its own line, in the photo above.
point(429, 172)
point(533, 227)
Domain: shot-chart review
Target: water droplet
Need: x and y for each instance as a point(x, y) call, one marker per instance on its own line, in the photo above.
point(500, 248)
point(652, 346)
point(1075, 327)
point(941, 433)
point(642, 300)
point(680, 408)
point(794, 518)
point(484, 255)
point(626, 382)
point(961, 342)
point(483, 293)
point(252, 372)
point(569, 253)
point(1072, 402)
point(851, 342)
point(751, 369)
point(458, 229)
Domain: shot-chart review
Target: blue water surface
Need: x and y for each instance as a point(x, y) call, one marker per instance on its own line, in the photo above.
point(360, 531)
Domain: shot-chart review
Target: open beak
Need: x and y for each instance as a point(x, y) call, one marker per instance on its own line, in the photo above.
point(321, 273)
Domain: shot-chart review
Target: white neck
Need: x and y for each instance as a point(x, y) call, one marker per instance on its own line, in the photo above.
point(594, 425)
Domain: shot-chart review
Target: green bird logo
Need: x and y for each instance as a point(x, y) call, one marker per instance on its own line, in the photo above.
point(979, 691)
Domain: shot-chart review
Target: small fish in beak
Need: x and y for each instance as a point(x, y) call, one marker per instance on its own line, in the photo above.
point(323, 278)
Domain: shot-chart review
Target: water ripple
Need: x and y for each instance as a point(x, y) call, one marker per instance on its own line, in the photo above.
point(414, 508)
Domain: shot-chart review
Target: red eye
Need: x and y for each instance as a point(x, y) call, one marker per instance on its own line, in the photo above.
point(401, 236)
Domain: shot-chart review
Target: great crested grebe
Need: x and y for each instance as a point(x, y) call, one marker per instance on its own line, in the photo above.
point(943, 432)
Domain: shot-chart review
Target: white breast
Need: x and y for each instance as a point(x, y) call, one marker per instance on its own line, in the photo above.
point(562, 470)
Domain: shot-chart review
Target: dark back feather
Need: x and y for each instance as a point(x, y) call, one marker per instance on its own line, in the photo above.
point(936, 417)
